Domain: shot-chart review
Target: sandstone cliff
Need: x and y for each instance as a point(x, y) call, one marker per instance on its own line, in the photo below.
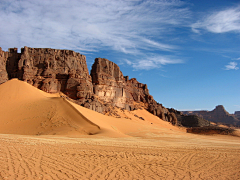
point(219, 114)
point(48, 69)
point(114, 89)
point(66, 71)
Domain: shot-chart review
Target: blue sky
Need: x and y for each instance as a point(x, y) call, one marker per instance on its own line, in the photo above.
point(187, 52)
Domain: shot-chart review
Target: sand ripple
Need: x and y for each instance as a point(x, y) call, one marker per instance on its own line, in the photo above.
point(36, 158)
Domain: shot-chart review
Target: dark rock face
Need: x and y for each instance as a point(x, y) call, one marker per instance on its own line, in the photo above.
point(189, 120)
point(194, 121)
point(211, 130)
point(3, 69)
point(219, 114)
point(237, 114)
point(49, 70)
point(66, 71)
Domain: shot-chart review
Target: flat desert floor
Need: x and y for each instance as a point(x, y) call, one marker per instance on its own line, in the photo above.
point(170, 157)
point(45, 136)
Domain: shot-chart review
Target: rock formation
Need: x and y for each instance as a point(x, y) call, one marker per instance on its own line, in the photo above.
point(108, 83)
point(189, 120)
point(219, 114)
point(7, 63)
point(48, 69)
point(114, 89)
point(237, 114)
point(66, 71)
point(211, 130)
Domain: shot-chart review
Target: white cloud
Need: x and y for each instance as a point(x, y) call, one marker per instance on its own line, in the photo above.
point(231, 66)
point(227, 20)
point(159, 45)
point(154, 62)
point(128, 62)
point(202, 109)
point(90, 25)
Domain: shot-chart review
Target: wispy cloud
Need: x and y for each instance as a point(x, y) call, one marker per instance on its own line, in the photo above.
point(202, 109)
point(227, 20)
point(91, 25)
point(153, 62)
point(238, 106)
point(231, 66)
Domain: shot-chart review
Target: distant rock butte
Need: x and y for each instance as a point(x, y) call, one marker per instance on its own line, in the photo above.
point(219, 114)
point(53, 70)
point(237, 114)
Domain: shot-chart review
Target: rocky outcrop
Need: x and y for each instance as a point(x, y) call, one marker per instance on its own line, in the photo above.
point(108, 83)
point(237, 114)
point(50, 70)
point(66, 71)
point(3, 63)
point(193, 121)
point(211, 130)
point(219, 114)
point(189, 120)
point(112, 88)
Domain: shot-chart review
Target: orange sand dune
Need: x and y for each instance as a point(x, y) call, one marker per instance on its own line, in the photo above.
point(129, 124)
point(26, 110)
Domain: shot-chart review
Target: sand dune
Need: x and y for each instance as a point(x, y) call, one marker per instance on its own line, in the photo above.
point(27, 110)
point(130, 123)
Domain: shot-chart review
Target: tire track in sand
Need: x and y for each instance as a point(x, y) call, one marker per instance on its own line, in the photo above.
point(38, 169)
point(10, 165)
point(23, 164)
point(39, 159)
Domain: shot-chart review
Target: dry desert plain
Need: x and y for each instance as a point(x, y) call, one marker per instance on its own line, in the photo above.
point(46, 136)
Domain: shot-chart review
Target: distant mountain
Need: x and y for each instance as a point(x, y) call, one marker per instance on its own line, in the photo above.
point(219, 114)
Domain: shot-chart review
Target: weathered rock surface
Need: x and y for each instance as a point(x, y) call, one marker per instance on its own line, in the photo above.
point(50, 70)
point(219, 114)
point(194, 121)
point(189, 120)
point(53, 71)
point(108, 83)
point(114, 89)
point(237, 114)
point(3, 69)
point(211, 130)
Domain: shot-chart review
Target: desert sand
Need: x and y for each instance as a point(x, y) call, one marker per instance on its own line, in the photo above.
point(46, 136)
